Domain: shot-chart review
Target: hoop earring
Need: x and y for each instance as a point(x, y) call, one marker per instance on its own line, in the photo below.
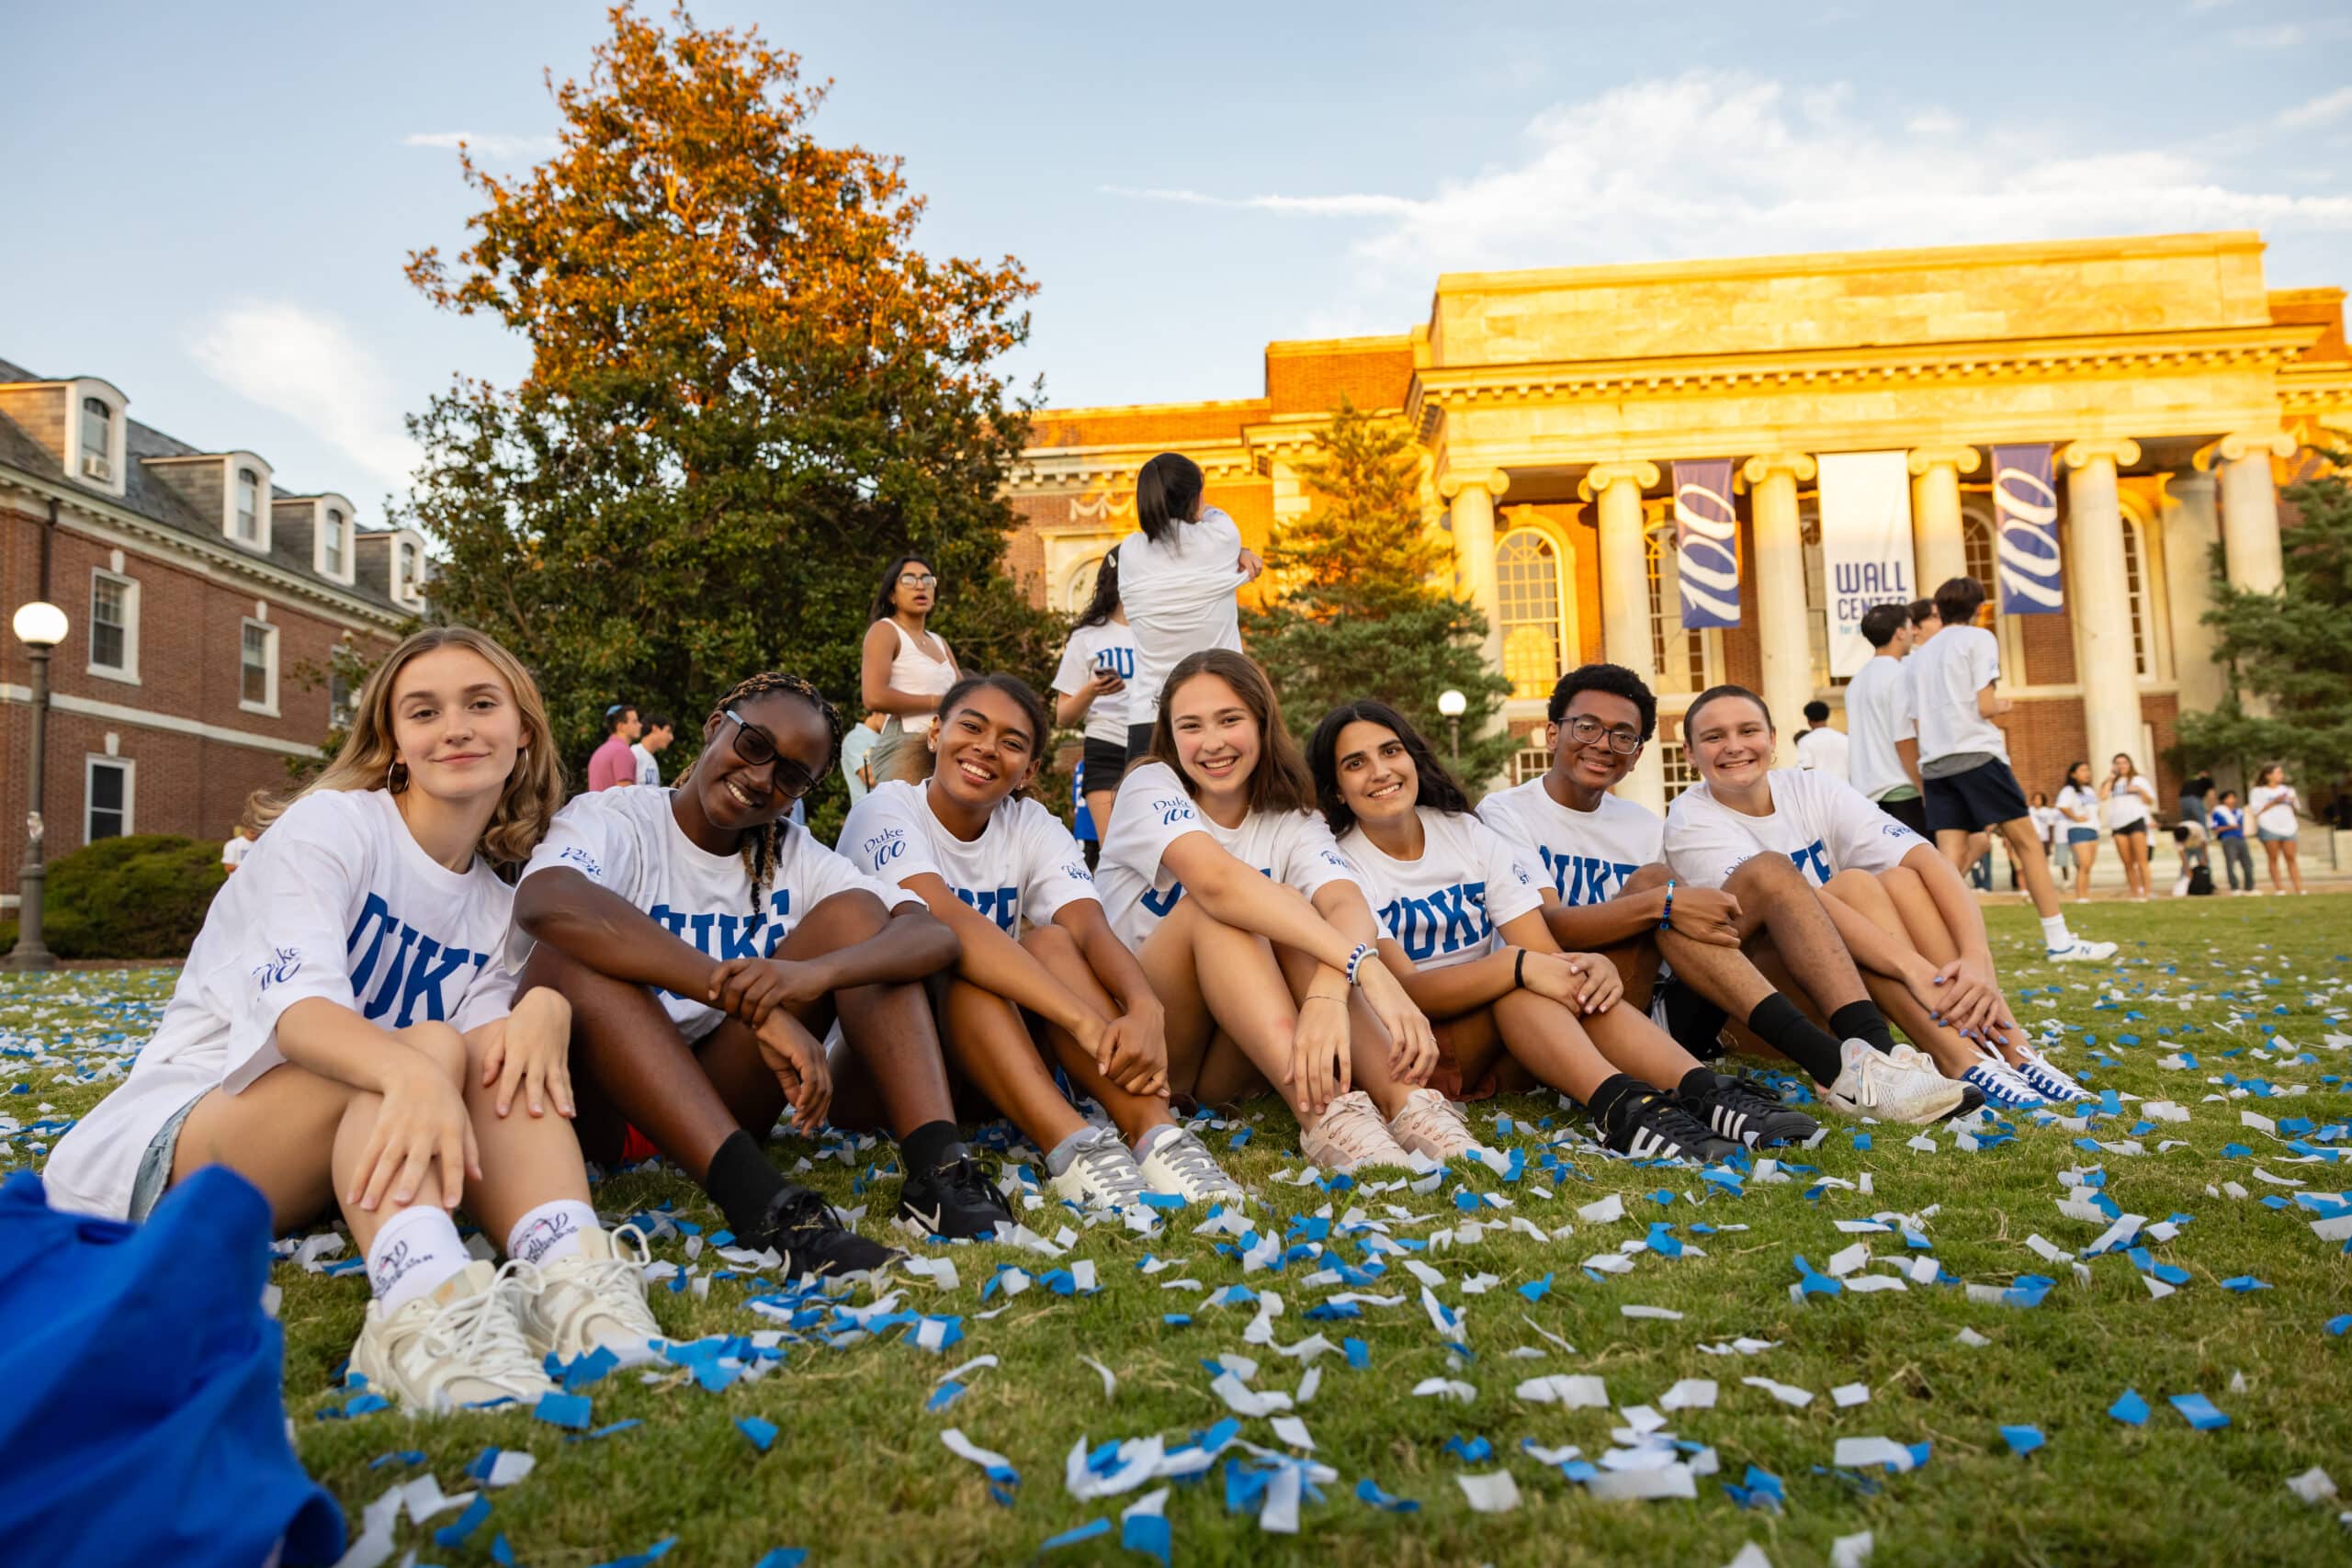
point(396, 778)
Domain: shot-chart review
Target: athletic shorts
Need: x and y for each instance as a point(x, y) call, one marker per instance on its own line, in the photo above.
point(1696, 1023)
point(1138, 743)
point(1985, 796)
point(2082, 835)
point(155, 1164)
point(2140, 827)
point(1912, 813)
point(2268, 836)
point(1106, 763)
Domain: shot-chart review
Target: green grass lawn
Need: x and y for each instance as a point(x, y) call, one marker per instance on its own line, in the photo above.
point(859, 1471)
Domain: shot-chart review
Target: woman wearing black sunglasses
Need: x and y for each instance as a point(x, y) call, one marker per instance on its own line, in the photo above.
point(708, 945)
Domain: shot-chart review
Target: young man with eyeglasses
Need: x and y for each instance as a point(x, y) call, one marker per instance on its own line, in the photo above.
point(1608, 893)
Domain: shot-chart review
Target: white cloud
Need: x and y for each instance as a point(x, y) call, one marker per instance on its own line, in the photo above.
point(1711, 164)
point(308, 366)
point(2320, 110)
point(498, 147)
point(1934, 122)
point(2277, 34)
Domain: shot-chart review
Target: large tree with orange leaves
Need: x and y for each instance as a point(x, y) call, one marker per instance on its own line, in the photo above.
point(749, 390)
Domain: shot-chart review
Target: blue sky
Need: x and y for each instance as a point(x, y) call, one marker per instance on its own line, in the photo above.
point(214, 202)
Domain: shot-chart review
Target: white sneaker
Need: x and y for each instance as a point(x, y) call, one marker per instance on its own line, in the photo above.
point(1353, 1133)
point(2054, 1086)
point(1434, 1125)
point(2081, 951)
point(1904, 1087)
point(2003, 1087)
point(1181, 1166)
point(594, 1298)
point(461, 1343)
point(1103, 1173)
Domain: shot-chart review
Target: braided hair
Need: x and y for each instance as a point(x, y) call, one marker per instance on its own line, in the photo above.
point(767, 839)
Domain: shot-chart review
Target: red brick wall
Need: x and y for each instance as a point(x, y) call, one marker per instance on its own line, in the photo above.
point(1374, 375)
point(1145, 426)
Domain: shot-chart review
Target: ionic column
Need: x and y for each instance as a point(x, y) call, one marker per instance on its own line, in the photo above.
point(1615, 488)
point(2191, 525)
point(1780, 588)
point(1472, 498)
point(2250, 507)
point(1935, 537)
point(2102, 607)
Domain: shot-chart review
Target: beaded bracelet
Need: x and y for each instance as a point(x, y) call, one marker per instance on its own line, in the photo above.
point(1665, 919)
point(1355, 961)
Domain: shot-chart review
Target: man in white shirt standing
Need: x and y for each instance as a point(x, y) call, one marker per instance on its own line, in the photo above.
point(1883, 746)
point(1964, 758)
point(654, 740)
point(1820, 747)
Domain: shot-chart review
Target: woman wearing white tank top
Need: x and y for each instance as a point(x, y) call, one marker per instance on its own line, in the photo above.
point(905, 669)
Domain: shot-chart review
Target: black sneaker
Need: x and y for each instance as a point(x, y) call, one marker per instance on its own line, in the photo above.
point(1650, 1126)
point(953, 1199)
point(802, 1229)
point(1735, 1111)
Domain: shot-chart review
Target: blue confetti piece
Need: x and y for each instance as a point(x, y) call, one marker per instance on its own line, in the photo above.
point(563, 1410)
point(761, 1433)
point(454, 1533)
point(714, 1378)
point(484, 1462)
point(943, 1396)
point(1920, 1454)
point(1086, 1531)
point(1150, 1534)
point(2244, 1284)
point(1475, 1450)
point(783, 1557)
point(1241, 1139)
point(2022, 1440)
point(2198, 1412)
point(1758, 1488)
point(416, 1456)
point(1662, 1196)
point(1815, 1284)
point(1535, 1290)
point(1863, 1141)
point(1243, 1487)
point(603, 1431)
point(653, 1553)
point(585, 1370)
point(1369, 1491)
point(500, 1552)
point(1467, 1200)
point(2338, 1327)
point(1359, 1354)
point(1661, 1240)
point(1184, 1319)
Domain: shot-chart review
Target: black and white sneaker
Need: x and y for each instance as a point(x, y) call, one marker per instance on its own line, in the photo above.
point(952, 1199)
point(1650, 1126)
point(1733, 1110)
point(802, 1229)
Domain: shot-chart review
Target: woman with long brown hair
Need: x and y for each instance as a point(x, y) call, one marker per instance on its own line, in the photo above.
point(904, 668)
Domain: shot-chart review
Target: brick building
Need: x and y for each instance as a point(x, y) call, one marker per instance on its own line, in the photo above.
point(2170, 388)
point(201, 599)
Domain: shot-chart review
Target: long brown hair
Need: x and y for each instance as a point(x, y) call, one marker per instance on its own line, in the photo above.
point(1280, 781)
point(533, 790)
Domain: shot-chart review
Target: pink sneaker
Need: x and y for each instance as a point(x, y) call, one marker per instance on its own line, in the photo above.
point(1434, 1125)
point(1351, 1133)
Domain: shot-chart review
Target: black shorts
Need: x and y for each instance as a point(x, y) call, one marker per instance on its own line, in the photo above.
point(1696, 1023)
point(1106, 761)
point(1138, 743)
point(2140, 827)
point(1911, 813)
point(1985, 796)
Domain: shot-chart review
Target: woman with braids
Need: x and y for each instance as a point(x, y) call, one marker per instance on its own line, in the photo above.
point(988, 861)
point(706, 945)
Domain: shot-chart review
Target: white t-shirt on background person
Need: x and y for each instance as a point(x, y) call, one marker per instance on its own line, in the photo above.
point(1443, 907)
point(336, 902)
point(1586, 856)
point(1153, 811)
point(1946, 672)
point(2073, 799)
point(1823, 824)
point(1109, 644)
point(2272, 807)
point(1179, 599)
point(2130, 802)
point(628, 843)
point(1877, 713)
point(1824, 750)
point(1024, 864)
point(649, 772)
point(234, 850)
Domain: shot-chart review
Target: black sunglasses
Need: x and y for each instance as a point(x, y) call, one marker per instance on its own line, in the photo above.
point(754, 746)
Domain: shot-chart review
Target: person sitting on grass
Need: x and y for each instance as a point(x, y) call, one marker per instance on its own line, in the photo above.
point(986, 859)
point(1688, 955)
point(1256, 938)
point(1900, 907)
point(706, 945)
point(345, 1037)
point(1463, 927)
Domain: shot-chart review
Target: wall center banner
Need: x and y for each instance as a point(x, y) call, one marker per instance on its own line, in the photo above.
point(1865, 546)
point(2028, 507)
point(1706, 544)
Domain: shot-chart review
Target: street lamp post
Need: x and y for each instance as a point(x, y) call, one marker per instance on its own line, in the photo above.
point(39, 626)
point(1452, 702)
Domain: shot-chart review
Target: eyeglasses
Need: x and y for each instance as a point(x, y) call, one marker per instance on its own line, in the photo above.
point(754, 746)
point(917, 580)
point(1588, 731)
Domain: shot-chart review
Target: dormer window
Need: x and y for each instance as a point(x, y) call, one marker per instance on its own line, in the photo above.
point(248, 506)
point(97, 440)
point(334, 545)
point(405, 584)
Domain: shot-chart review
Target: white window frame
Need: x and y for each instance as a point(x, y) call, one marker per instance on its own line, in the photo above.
point(118, 441)
point(91, 764)
point(1563, 622)
point(128, 672)
point(408, 591)
point(325, 506)
point(270, 643)
point(264, 505)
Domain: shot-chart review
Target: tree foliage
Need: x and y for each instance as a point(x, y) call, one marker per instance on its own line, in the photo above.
point(1360, 614)
point(749, 390)
point(2289, 650)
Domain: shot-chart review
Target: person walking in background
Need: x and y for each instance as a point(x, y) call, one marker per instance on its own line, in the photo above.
point(855, 747)
point(2130, 805)
point(2228, 827)
point(905, 669)
point(656, 739)
point(2050, 826)
point(1820, 747)
point(240, 843)
point(1882, 755)
point(1177, 582)
point(2197, 800)
point(1091, 684)
point(2278, 817)
point(613, 765)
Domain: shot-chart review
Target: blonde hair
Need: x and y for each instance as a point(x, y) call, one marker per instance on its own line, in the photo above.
point(533, 790)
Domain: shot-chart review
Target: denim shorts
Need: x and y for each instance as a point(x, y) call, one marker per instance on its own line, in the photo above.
point(155, 1164)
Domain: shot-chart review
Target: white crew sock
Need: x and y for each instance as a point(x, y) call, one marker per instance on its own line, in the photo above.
point(2055, 932)
point(416, 1251)
point(551, 1231)
point(1150, 1139)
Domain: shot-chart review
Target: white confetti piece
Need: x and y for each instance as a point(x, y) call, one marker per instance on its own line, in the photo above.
point(1665, 1314)
point(1848, 1260)
point(1642, 1419)
point(1640, 1485)
point(2314, 1486)
point(1575, 1393)
point(1864, 1284)
point(1293, 1431)
point(1279, 1515)
point(375, 1543)
point(1787, 1393)
point(1690, 1394)
point(1607, 1208)
point(1611, 1263)
point(1856, 1454)
point(1971, 1337)
point(424, 1499)
point(510, 1466)
point(1850, 1394)
point(1243, 1400)
point(1444, 1388)
point(1852, 1550)
point(1492, 1493)
point(1750, 1556)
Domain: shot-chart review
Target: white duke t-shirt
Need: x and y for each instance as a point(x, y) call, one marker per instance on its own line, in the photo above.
point(1824, 825)
point(1023, 864)
point(335, 901)
point(1587, 855)
point(1153, 811)
point(1877, 713)
point(1179, 599)
point(1109, 644)
point(628, 843)
point(1947, 672)
point(1443, 907)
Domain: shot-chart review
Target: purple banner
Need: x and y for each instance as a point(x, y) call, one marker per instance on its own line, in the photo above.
point(1706, 544)
point(2026, 531)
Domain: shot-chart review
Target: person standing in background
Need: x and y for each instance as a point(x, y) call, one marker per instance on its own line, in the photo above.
point(2197, 800)
point(856, 746)
point(612, 764)
point(2078, 819)
point(1177, 582)
point(2276, 810)
point(1821, 748)
point(1091, 684)
point(652, 744)
point(2131, 807)
point(905, 669)
point(234, 853)
point(2050, 826)
point(1882, 747)
point(2228, 827)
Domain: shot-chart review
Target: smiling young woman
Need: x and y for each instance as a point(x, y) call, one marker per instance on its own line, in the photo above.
point(708, 945)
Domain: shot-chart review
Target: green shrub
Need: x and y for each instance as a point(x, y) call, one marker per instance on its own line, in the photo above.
point(143, 896)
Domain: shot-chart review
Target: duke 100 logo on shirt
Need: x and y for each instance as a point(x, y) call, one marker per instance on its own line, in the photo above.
point(1447, 920)
point(414, 968)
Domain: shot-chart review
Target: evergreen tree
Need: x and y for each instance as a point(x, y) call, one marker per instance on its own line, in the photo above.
point(1359, 612)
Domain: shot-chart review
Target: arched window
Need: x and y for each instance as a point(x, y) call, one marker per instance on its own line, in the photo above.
point(1680, 656)
point(1530, 599)
point(1078, 591)
point(97, 438)
point(1977, 555)
point(248, 505)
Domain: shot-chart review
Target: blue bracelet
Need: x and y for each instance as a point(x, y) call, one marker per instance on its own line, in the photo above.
point(1355, 961)
point(1665, 920)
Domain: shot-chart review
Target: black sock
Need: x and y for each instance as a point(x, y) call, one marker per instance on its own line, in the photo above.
point(1778, 1023)
point(1862, 1021)
point(1696, 1084)
point(1615, 1090)
point(742, 1183)
point(926, 1147)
